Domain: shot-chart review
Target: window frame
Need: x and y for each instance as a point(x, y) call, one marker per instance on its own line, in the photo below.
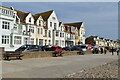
point(5, 39)
point(17, 40)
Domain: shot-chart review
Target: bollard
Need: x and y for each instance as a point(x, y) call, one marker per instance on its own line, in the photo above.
point(1, 52)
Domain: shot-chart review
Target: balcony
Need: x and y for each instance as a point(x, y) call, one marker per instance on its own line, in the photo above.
point(26, 33)
point(15, 31)
point(70, 38)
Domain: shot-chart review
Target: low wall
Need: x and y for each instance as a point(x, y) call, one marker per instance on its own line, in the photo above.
point(37, 54)
point(41, 54)
point(1, 52)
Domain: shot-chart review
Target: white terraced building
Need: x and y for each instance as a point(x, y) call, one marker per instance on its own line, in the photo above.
point(7, 23)
point(18, 28)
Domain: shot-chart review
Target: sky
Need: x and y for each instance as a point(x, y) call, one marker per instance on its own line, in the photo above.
point(100, 18)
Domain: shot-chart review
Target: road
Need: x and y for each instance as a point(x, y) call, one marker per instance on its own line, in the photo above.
point(53, 67)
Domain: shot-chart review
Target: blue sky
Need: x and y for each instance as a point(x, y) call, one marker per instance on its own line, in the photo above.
point(100, 18)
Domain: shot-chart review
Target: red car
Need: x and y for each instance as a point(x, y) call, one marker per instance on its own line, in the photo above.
point(56, 48)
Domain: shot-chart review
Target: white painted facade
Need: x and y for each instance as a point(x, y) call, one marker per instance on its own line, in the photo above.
point(82, 32)
point(61, 35)
point(30, 31)
point(54, 28)
point(40, 31)
point(7, 22)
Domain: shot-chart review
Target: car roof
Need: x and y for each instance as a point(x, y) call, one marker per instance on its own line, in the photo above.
point(55, 46)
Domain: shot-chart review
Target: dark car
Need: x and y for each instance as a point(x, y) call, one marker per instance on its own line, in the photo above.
point(56, 48)
point(67, 48)
point(45, 48)
point(28, 48)
point(76, 48)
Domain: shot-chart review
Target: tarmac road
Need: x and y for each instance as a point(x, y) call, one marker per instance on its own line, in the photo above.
point(53, 67)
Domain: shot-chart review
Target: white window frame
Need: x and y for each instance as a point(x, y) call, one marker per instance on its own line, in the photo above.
point(49, 42)
point(49, 33)
point(5, 39)
point(63, 43)
point(5, 25)
point(30, 19)
point(32, 30)
point(56, 42)
point(55, 26)
point(57, 34)
point(26, 40)
point(32, 41)
point(50, 24)
point(41, 31)
point(17, 39)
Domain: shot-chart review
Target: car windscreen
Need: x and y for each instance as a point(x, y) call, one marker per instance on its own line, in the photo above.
point(22, 48)
point(59, 48)
point(83, 46)
point(33, 47)
point(52, 48)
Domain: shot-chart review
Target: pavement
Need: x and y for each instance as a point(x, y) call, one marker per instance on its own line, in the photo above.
point(53, 67)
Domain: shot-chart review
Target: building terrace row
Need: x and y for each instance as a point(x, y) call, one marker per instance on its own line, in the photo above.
point(19, 28)
point(100, 41)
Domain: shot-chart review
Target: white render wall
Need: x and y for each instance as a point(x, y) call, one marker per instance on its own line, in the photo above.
point(53, 34)
point(7, 18)
point(27, 19)
point(82, 33)
point(26, 27)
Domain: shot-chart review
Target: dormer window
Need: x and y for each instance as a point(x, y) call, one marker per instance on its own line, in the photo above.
point(30, 19)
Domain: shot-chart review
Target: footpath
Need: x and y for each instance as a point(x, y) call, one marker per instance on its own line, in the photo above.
point(54, 67)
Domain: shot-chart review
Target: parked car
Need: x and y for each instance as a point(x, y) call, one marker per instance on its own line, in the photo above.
point(84, 47)
point(89, 47)
point(76, 48)
point(27, 48)
point(56, 48)
point(67, 48)
point(45, 48)
point(79, 48)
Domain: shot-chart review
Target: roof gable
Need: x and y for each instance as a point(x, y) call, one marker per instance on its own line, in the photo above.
point(22, 15)
point(45, 15)
point(78, 24)
point(36, 17)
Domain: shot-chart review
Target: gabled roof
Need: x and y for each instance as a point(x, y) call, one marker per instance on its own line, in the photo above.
point(45, 15)
point(22, 15)
point(36, 17)
point(67, 29)
point(5, 7)
point(78, 24)
point(101, 38)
